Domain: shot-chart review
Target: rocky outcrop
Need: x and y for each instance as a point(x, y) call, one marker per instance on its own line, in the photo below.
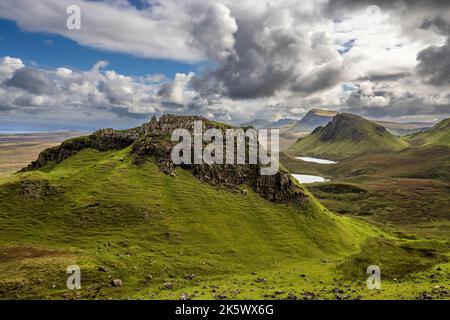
point(102, 140)
point(36, 189)
point(153, 140)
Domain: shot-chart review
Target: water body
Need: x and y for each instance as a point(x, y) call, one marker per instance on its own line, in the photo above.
point(306, 178)
point(316, 160)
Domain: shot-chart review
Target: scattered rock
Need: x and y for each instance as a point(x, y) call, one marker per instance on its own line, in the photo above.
point(189, 276)
point(309, 296)
point(260, 280)
point(184, 296)
point(425, 296)
point(167, 286)
point(291, 296)
point(337, 290)
point(221, 297)
point(116, 283)
point(102, 269)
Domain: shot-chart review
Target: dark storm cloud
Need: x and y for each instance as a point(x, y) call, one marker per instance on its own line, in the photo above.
point(4, 108)
point(434, 61)
point(385, 77)
point(269, 56)
point(434, 64)
point(31, 80)
point(409, 105)
point(325, 78)
point(440, 24)
point(236, 77)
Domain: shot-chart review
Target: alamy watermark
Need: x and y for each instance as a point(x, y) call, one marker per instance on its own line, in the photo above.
point(74, 278)
point(229, 149)
point(73, 21)
point(374, 280)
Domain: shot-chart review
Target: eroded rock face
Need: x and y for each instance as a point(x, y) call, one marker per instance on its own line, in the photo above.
point(153, 140)
point(102, 140)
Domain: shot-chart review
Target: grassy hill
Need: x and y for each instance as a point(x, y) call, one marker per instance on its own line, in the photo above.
point(437, 135)
point(117, 214)
point(346, 135)
point(99, 210)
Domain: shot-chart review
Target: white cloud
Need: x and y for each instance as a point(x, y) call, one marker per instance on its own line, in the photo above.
point(269, 58)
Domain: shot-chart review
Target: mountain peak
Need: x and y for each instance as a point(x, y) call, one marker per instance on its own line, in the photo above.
point(346, 135)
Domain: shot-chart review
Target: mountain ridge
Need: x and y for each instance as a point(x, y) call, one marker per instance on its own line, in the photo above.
point(346, 135)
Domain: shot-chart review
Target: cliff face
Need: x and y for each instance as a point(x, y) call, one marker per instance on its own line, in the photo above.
point(152, 140)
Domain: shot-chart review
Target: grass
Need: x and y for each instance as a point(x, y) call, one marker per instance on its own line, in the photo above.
point(438, 135)
point(118, 220)
point(347, 135)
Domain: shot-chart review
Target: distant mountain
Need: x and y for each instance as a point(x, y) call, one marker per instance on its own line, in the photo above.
point(257, 124)
point(264, 124)
point(346, 135)
point(402, 129)
point(437, 135)
point(283, 122)
point(313, 119)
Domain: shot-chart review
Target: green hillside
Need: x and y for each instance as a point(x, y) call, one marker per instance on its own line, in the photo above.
point(437, 135)
point(100, 210)
point(118, 213)
point(346, 135)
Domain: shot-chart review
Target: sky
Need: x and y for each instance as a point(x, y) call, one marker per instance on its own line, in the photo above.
point(231, 61)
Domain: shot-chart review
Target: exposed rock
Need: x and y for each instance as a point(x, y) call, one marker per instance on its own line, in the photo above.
point(167, 286)
point(116, 283)
point(425, 296)
point(35, 189)
point(184, 296)
point(152, 140)
point(102, 140)
point(189, 276)
point(291, 296)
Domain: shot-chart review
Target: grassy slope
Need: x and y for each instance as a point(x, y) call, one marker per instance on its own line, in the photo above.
point(404, 191)
point(438, 135)
point(136, 221)
point(344, 144)
point(147, 229)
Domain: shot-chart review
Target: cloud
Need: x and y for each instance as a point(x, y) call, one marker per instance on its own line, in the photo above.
point(30, 80)
point(434, 61)
point(434, 64)
point(8, 66)
point(160, 31)
point(265, 59)
point(213, 32)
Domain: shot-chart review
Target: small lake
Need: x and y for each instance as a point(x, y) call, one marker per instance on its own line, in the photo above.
point(306, 178)
point(316, 160)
